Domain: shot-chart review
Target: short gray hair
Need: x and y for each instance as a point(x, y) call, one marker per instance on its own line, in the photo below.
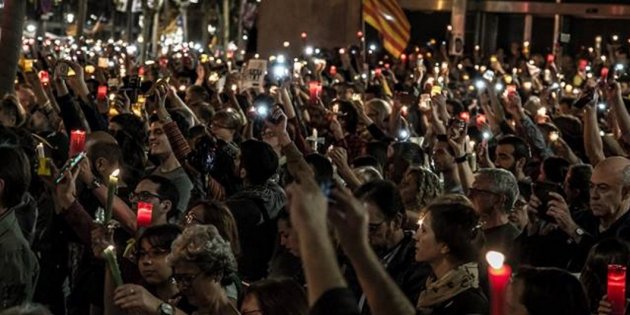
point(503, 182)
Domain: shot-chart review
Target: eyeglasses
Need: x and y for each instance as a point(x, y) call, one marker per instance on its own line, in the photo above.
point(190, 219)
point(185, 280)
point(143, 196)
point(476, 191)
point(374, 226)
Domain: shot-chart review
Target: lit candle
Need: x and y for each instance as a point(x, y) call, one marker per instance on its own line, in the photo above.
point(77, 142)
point(333, 71)
point(498, 276)
point(465, 116)
point(44, 77)
point(314, 88)
point(110, 257)
point(604, 73)
point(101, 93)
point(111, 191)
point(617, 288)
point(42, 166)
point(145, 214)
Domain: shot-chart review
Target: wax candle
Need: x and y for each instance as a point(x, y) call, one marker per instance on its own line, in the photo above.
point(604, 73)
point(582, 64)
point(77, 142)
point(498, 276)
point(465, 116)
point(43, 169)
point(145, 213)
point(314, 88)
point(112, 186)
point(617, 288)
point(44, 78)
point(110, 257)
point(101, 93)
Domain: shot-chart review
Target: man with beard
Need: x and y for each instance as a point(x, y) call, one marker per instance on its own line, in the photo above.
point(393, 245)
point(512, 154)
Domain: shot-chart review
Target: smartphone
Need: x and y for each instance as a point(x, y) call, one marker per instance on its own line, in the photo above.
point(541, 190)
point(405, 98)
point(70, 165)
point(585, 99)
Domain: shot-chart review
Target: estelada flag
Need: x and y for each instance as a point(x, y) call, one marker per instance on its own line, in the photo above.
point(388, 18)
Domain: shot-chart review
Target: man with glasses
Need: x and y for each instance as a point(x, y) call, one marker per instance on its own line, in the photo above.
point(394, 245)
point(162, 194)
point(494, 193)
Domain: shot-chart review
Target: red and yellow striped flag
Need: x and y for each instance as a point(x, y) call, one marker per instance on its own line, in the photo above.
point(388, 18)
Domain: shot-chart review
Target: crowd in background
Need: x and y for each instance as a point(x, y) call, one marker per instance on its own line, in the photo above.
point(343, 182)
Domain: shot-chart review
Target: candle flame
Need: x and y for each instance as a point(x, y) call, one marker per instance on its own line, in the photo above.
point(115, 173)
point(495, 259)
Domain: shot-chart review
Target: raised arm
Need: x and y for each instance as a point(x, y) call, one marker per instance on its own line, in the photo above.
point(350, 219)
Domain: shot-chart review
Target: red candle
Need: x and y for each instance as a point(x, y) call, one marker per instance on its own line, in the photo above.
point(333, 71)
point(551, 58)
point(77, 142)
point(617, 288)
point(604, 73)
point(582, 64)
point(314, 88)
point(465, 116)
point(498, 276)
point(101, 94)
point(145, 213)
point(481, 120)
point(44, 78)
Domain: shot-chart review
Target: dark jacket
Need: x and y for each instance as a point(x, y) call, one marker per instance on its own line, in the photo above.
point(469, 302)
point(18, 265)
point(409, 275)
point(255, 210)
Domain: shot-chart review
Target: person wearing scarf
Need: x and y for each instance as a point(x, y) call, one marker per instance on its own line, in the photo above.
point(448, 239)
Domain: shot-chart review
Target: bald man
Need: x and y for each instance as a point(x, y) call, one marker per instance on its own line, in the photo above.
point(608, 215)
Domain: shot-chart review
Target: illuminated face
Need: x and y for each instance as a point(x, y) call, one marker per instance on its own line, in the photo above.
point(158, 141)
point(152, 263)
point(428, 249)
point(607, 193)
point(380, 230)
point(442, 158)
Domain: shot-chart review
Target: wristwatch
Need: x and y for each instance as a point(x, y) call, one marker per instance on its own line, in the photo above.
point(166, 309)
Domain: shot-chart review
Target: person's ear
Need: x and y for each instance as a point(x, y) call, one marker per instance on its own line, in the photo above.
point(444, 250)
point(398, 220)
point(520, 164)
point(167, 205)
point(100, 164)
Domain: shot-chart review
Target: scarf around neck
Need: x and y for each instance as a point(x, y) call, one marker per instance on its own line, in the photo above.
point(454, 282)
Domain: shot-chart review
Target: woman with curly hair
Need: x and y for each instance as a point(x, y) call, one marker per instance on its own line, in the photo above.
point(202, 261)
point(418, 188)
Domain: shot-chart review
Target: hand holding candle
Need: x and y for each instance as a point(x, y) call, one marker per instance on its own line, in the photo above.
point(498, 276)
point(110, 257)
point(616, 288)
point(111, 192)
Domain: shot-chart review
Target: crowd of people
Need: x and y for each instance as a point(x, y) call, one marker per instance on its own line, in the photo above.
point(340, 182)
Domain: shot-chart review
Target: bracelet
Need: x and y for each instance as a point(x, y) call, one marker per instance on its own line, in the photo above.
point(462, 159)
